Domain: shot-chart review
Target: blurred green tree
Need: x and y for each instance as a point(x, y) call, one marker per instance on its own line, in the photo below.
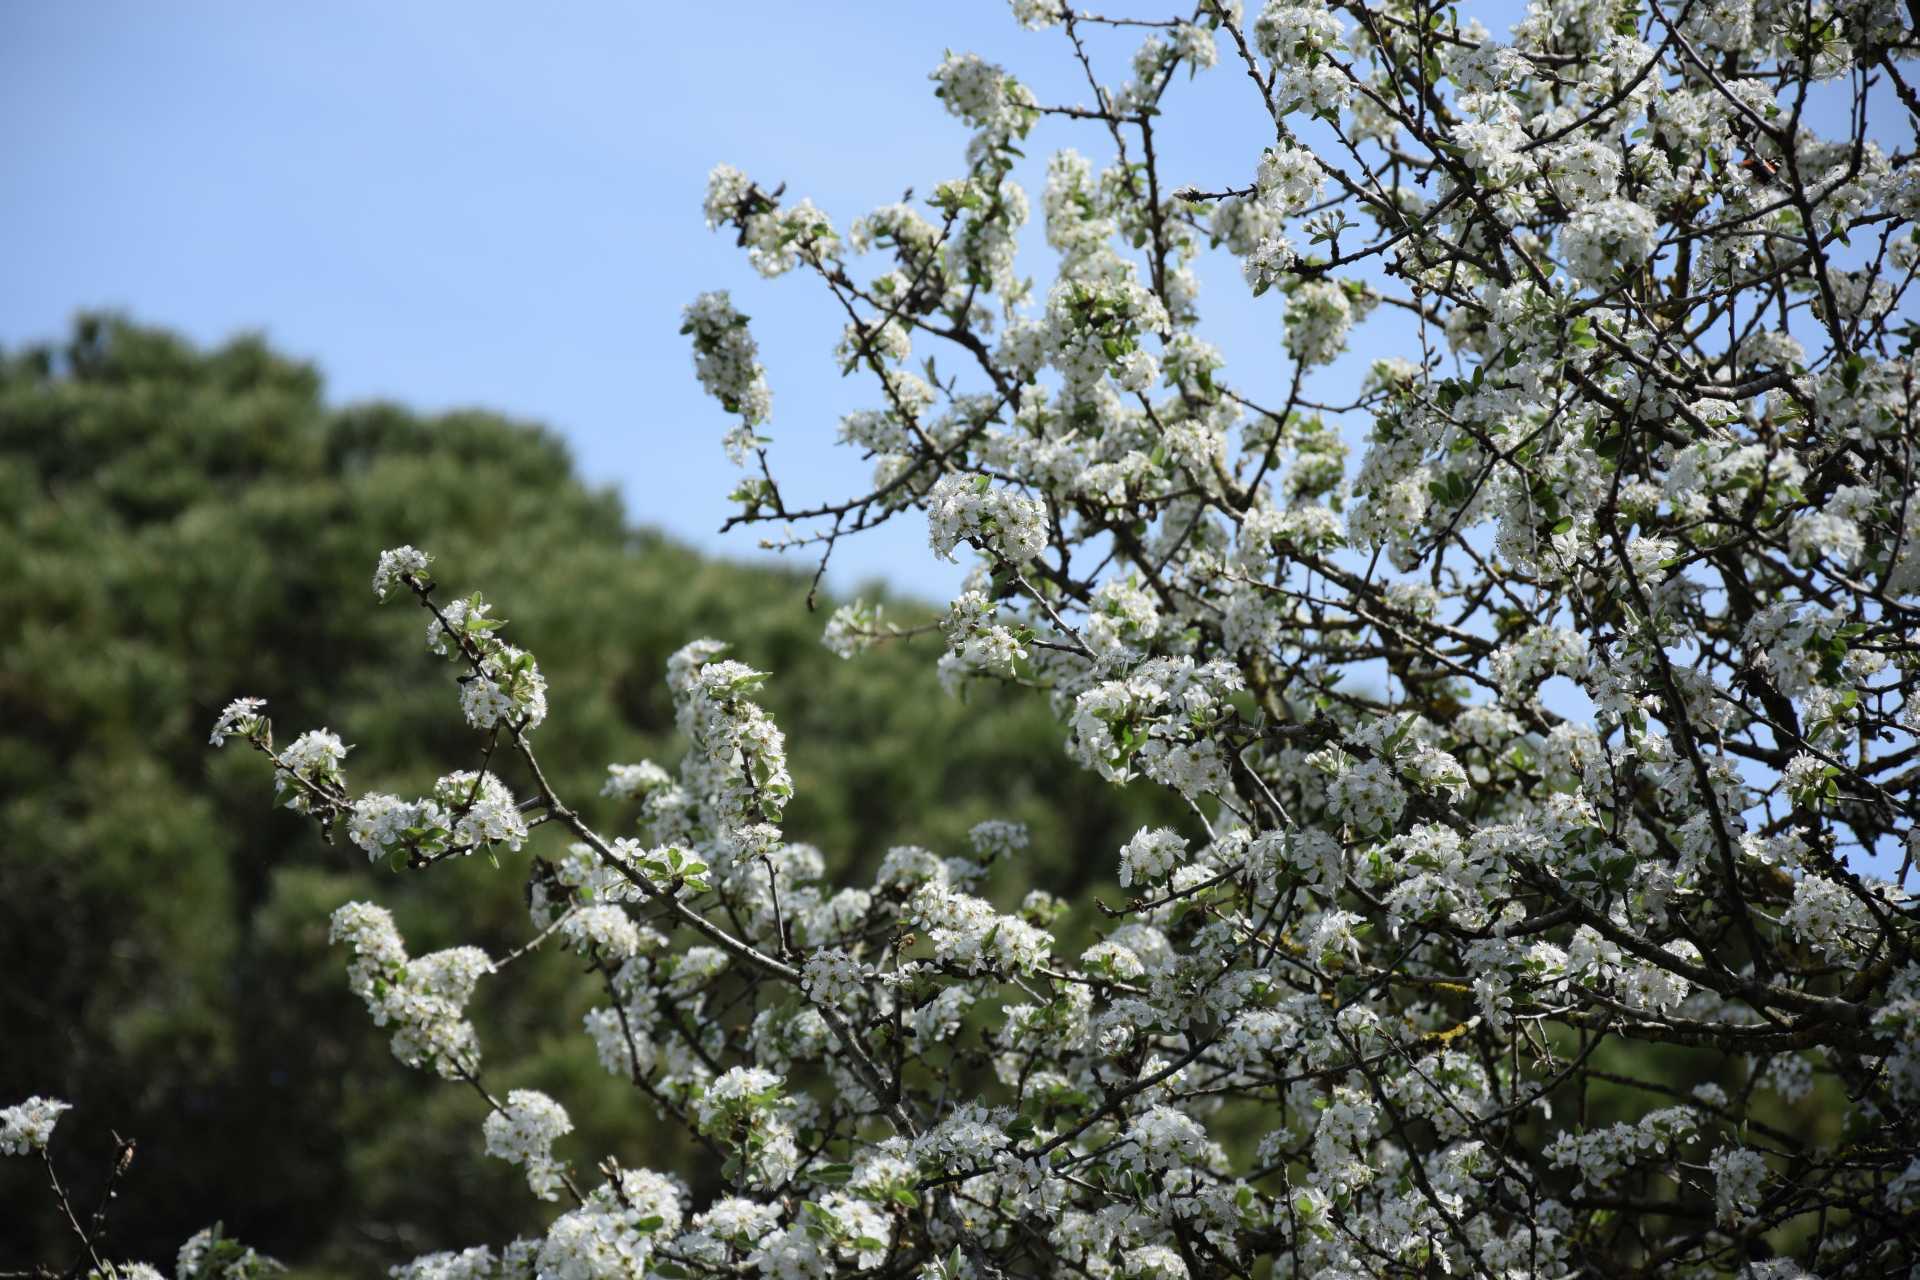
point(179, 527)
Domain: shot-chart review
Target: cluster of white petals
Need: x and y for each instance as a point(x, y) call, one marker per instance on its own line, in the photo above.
point(523, 1132)
point(27, 1127)
point(726, 359)
point(1532, 896)
point(424, 998)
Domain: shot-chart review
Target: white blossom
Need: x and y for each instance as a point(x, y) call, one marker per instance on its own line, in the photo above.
point(523, 1132)
point(28, 1126)
point(396, 566)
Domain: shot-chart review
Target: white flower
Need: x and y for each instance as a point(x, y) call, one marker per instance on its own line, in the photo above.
point(726, 360)
point(1586, 171)
point(477, 1263)
point(612, 1235)
point(1368, 795)
point(484, 812)
point(1333, 939)
point(508, 689)
point(1599, 1156)
point(604, 928)
point(965, 509)
point(383, 824)
point(1607, 236)
point(1036, 14)
point(398, 565)
point(523, 1132)
point(310, 764)
point(1319, 314)
point(832, 977)
point(632, 781)
point(967, 931)
point(28, 1126)
point(241, 716)
point(1827, 917)
point(423, 999)
point(1164, 1138)
point(853, 628)
point(1290, 33)
point(982, 94)
point(740, 1091)
point(1737, 1175)
point(1150, 855)
point(996, 838)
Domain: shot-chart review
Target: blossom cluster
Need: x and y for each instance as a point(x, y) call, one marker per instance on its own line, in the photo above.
point(28, 1126)
point(423, 998)
point(523, 1132)
point(1549, 761)
point(726, 358)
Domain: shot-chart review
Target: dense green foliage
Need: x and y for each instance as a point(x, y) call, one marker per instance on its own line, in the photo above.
point(179, 528)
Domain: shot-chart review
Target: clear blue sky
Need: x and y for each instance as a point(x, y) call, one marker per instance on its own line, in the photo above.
point(499, 205)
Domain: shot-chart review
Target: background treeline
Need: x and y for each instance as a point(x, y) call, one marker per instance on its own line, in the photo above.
point(180, 527)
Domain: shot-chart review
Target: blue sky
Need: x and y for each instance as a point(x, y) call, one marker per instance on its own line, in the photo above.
point(499, 205)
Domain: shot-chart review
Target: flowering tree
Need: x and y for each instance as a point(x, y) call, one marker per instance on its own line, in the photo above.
point(1537, 765)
